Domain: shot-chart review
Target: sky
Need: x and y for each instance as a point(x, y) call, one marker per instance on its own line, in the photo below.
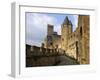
point(36, 25)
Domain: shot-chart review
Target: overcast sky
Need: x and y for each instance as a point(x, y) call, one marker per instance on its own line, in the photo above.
point(36, 25)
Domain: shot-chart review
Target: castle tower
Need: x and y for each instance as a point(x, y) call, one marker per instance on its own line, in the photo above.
point(49, 30)
point(49, 40)
point(70, 27)
point(66, 29)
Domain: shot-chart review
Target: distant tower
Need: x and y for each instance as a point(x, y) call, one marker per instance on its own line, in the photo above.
point(66, 29)
point(49, 41)
point(49, 30)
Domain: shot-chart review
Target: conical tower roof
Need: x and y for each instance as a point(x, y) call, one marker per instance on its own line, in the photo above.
point(66, 20)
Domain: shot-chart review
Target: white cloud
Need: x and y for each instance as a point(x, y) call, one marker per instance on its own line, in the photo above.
point(57, 28)
point(75, 22)
point(36, 27)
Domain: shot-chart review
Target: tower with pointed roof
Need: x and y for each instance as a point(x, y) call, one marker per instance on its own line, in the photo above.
point(66, 29)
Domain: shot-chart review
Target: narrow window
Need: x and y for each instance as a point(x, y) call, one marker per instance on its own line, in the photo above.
point(80, 31)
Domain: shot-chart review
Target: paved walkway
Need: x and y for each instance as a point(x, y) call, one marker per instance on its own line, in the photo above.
point(66, 60)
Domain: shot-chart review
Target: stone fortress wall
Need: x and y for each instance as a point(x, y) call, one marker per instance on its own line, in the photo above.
point(74, 44)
